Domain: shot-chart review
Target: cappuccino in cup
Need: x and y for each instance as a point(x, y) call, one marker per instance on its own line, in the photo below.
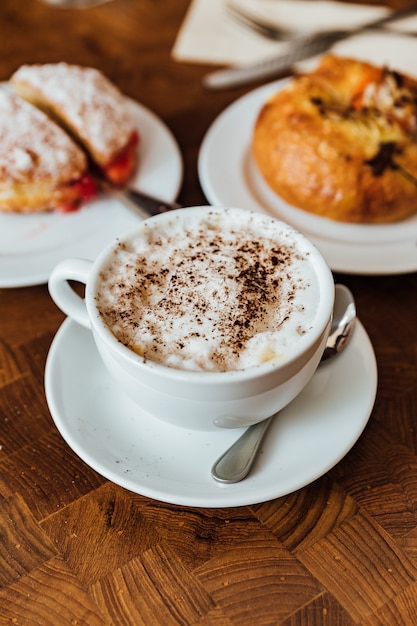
point(206, 317)
point(220, 292)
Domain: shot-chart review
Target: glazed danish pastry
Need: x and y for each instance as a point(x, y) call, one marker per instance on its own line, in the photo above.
point(341, 142)
point(90, 108)
point(41, 168)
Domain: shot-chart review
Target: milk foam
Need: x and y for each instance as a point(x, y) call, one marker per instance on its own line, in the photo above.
point(218, 293)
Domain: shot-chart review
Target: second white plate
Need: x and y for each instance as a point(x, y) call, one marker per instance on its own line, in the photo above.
point(229, 177)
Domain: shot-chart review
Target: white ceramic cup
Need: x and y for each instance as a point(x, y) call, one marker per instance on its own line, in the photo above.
point(203, 400)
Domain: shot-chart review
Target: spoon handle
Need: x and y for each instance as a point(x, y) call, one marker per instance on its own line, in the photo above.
point(236, 462)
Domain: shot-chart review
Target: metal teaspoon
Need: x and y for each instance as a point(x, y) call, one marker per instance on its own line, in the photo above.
point(235, 464)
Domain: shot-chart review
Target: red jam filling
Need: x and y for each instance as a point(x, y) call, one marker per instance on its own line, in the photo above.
point(117, 172)
point(81, 190)
point(121, 168)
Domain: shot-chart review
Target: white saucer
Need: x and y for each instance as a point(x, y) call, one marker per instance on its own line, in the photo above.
point(31, 245)
point(229, 177)
point(172, 464)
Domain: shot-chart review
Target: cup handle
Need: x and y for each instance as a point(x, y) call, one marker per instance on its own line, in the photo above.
point(63, 295)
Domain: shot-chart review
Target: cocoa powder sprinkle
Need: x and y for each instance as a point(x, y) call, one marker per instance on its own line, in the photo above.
point(206, 288)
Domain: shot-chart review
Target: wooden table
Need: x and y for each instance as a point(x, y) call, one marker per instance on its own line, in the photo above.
point(78, 549)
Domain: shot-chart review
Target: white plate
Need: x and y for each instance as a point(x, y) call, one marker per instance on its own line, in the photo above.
point(229, 177)
point(172, 464)
point(31, 245)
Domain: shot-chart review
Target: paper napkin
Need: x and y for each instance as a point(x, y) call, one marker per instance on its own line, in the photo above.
point(210, 35)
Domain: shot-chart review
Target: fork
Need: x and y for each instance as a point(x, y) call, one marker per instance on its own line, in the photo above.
point(301, 47)
point(279, 33)
point(271, 31)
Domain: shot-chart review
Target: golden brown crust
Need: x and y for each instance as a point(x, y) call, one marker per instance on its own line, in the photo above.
point(341, 142)
point(39, 164)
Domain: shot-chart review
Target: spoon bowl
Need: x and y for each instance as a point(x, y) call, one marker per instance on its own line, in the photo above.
point(235, 464)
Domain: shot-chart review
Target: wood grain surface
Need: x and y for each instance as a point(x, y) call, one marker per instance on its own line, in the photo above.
point(77, 549)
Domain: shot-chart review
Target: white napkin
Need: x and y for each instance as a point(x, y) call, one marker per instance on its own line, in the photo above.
point(210, 35)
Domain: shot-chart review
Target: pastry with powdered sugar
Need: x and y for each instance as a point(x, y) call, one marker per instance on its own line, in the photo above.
point(41, 167)
point(88, 106)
